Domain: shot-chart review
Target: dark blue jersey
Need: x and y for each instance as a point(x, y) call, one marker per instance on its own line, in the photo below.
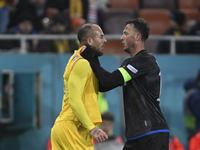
point(142, 95)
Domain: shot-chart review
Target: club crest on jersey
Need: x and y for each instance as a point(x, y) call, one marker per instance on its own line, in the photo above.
point(131, 68)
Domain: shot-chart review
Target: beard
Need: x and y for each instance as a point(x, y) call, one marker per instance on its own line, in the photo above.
point(129, 47)
point(127, 50)
point(97, 52)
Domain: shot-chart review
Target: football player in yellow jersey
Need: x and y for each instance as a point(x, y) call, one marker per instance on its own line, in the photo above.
point(74, 128)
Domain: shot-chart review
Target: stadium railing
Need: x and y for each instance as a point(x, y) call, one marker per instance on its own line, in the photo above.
point(23, 39)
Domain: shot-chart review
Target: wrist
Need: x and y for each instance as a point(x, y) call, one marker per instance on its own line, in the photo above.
point(93, 129)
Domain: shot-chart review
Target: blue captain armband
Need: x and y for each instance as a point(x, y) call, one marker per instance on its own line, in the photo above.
point(127, 77)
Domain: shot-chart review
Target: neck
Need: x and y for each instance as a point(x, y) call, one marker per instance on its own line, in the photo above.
point(81, 44)
point(138, 47)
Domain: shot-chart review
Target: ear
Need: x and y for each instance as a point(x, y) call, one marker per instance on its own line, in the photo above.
point(138, 36)
point(89, 41)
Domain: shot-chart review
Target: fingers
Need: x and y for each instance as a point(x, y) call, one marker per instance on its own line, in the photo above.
point(105, 136)
point(100, 136)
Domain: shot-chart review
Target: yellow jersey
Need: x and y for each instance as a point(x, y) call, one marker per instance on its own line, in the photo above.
point(81, 93)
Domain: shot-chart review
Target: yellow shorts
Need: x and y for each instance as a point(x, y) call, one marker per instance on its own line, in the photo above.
point(70, 135)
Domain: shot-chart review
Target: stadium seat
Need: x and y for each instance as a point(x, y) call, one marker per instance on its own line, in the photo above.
point(182, 4)
point(190, 14)
point(167, 4)
point(113, 47)
point(158, 19)
point(124, 4)
point(113, 21)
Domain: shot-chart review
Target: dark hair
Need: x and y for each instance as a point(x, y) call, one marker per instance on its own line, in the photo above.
point(107, 116)
point(25, 17)
point(141, 26)
point(83, 32)
point(178, 17)
point(57, 18)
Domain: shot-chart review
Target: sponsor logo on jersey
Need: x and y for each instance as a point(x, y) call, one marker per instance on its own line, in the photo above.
point(131, 68)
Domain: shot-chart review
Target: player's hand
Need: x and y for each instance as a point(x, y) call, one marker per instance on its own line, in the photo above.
point(87, 52)
point(98, 134)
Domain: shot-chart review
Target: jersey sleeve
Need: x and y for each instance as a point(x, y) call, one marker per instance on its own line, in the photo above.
point(139, 66)
point(107, 80)
point(127, 77)
point(77, 81)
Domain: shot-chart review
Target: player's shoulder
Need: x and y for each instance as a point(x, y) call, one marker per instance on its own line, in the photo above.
point(147, 57)
point(81, 67)
point(143, 60)
point(83, 61)
point(81, 64)
point(76, 58)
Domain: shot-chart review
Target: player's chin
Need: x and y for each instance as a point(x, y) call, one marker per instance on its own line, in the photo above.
point(127, 50)
point(99, 53)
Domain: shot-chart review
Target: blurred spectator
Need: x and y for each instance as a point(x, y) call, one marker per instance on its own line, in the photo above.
point(57, 26)
point(49, 146)
point(175, 144)
point(102, 103)
point(113, 142)
point(61, 5)
point(38, 9)
point(76, 9)
point(195, 30)
point(176, 21)
point(92, 12)
point(76, 23)
point(4, 15)
point(190, 24)
point(24, 26)
point(194, 142)
point(102, 4)
point(79, 9)
point(192, 105)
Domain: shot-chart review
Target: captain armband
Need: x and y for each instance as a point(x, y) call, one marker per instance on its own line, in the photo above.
point(127, 77)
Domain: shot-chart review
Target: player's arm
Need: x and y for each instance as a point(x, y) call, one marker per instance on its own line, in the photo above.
point(112, 82)
point(107, 80)
point(77, 81)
